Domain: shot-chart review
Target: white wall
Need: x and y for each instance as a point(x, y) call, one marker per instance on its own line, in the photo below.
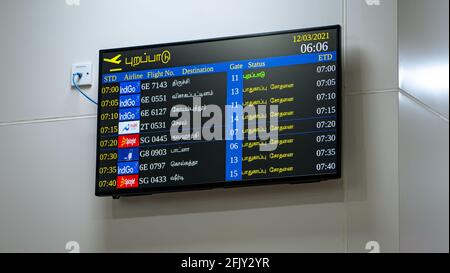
point(371, 125)
point(47, 134)
point(423, 125)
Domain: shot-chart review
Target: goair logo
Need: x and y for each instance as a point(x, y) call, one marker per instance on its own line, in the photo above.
point(131, 154)
point(137, 60)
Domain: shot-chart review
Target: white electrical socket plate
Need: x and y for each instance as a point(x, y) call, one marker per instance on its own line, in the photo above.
point(86, 70)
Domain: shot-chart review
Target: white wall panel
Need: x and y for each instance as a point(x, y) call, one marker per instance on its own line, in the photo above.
point(423, 126)
point(47, 194)
point(423, 51)
point(41, 39)
point(371, 170)
point(424, 179)
point(371, 46)
point(263, 227)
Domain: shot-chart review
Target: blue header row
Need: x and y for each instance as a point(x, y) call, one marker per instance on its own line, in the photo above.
point(220, 67)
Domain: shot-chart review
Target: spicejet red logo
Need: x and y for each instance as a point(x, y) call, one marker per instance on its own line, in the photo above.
point(127, 181)
point(128, 141)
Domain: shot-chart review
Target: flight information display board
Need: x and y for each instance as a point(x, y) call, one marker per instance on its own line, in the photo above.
point(235, 111)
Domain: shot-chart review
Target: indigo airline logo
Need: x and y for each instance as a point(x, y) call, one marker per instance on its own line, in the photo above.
point(127, 88)
point(128, 141)
point(128, 168)
point(131, 154)
point(127, 181)
point(129, 127)
point(129, 114)
point(129, 101)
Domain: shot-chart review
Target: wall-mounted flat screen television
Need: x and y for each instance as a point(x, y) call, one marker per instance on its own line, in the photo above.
point(225, 112)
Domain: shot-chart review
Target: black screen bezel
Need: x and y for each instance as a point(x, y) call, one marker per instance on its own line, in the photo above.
point(246, 183)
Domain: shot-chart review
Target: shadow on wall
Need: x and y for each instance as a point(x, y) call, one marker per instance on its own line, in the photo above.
point(261, 218)
point(228, 199)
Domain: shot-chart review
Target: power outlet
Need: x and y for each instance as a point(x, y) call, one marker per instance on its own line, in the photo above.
point(86, 74)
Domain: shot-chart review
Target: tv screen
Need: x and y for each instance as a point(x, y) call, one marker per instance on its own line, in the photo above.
point(223, 112)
